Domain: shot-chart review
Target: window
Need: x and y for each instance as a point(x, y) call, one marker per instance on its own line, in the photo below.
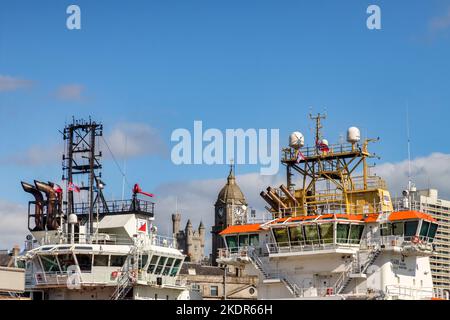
point(152, 265)
point(356, 232)
point(254, 240)
point(101, 260)
point(214, 291)
point(66, 260)
point(84, 261)
point(326, 232)
point(386, 230)
point(118, 261)
point(243, 240)
point(397, 229)
point(296, 235)
point(143, 261)
point(311, 234)
point(424, 228)
point(411, 228)
point(342, 232)
point(432, 231)
point(50, 263)
point(160, 265)
point(176, 267)
point(168, 266)
point(281, 236)
point(231, 242)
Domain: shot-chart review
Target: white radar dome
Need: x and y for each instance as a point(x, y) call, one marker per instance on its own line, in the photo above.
point(73, 219)
point(353, 135)
point(296, 140)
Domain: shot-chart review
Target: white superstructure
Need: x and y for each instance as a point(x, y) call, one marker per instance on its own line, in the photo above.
point(337, 236)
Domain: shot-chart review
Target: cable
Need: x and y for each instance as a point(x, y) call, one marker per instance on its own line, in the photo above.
point(115, 161)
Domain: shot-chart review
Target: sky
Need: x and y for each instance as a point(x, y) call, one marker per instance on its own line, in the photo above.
point(146, 68)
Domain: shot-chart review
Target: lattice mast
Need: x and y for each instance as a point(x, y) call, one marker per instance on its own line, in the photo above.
point(83, 160)
point(329, 176)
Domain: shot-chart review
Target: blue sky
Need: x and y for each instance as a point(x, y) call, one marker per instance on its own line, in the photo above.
point(232, 64)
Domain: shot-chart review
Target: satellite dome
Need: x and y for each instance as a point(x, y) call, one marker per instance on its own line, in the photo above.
point(353, 135)
point(296, 140)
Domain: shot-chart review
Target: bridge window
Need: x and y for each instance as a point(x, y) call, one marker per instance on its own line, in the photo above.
point(161, 263)
point(176, 267)
point(397, 229)
point(342, 232)
point(143, 261)
point(168, 266)
point(281, 236)
point(326, 232)
point(254, 240)
point(411, 228)
point(432, 231)
point(356, 231)
point(152, 265)
point(118, 261)
point(424, 228)
point(243, 240)
point(101, 260)
point(65, 261)
point(296, 235)
point(232, 243)
point(386, 230)
point(50, 263)
point(311, 234)
point(84, 261)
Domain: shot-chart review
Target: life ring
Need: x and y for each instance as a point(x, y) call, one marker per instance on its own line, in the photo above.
point(415, 240)
point(114, 274)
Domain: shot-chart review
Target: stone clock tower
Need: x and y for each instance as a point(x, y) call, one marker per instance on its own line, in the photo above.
point(230, 209)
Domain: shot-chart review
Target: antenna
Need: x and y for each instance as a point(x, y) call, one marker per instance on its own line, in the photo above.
point(409, 146)
point(124, 168)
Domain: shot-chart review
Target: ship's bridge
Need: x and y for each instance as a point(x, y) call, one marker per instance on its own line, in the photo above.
point(408, 231)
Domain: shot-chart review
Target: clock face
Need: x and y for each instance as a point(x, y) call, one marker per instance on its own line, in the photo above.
point(238, 211)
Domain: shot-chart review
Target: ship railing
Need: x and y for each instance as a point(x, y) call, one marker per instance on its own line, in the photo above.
point(405, 292)
point(65, 278)
point(330, 206)
point(290, 154)
point(105, 239)
point(114, 206)
point(421, 242)
point(310, 245)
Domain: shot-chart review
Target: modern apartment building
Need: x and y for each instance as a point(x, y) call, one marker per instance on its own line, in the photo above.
point(428, 201)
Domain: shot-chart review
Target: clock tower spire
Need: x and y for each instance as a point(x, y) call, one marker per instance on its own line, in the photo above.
point(230, 209)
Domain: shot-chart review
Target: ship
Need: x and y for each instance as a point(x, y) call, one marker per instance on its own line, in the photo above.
point(82, 246)
point(334, 232)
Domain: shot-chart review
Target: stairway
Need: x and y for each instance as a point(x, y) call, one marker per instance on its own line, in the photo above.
point(293, 288)
point(125, 280)
point(356, 269)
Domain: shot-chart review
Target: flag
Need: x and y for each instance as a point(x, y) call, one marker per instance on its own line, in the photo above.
point(322, 146)
point(73, 187)
point(57, 188)
point(300, 156)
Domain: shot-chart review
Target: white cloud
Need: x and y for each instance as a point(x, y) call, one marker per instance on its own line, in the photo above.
point(36, 155)
point(440, 23)
point(125, 140)
point(8, 83)
point(70, 92)
point(132, 139)
point(13, 226)
point(432, 171)
point(196, 200)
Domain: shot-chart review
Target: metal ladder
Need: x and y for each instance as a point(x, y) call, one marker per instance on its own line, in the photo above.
point(124, 282)
point(293, 288)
